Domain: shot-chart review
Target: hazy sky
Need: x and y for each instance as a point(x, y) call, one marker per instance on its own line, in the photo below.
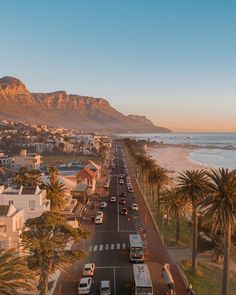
point(171, 60)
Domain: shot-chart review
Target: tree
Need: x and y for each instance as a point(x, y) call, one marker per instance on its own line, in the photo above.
point(175, 206)
point(14, 273)
point(193, 184)
point(55, 193)
point(45, 240)
point(53, 174)
point(27, 178)
point(220, 209)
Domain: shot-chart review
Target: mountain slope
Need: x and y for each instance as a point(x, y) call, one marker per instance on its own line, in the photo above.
point(67, 110)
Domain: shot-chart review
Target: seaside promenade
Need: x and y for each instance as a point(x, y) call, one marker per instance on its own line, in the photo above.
point(157, 253)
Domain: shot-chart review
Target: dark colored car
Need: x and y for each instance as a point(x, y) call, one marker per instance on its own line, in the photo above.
point(124, 211)
point(122, 201)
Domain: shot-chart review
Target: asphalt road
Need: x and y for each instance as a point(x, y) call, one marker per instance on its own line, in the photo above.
point(109, 248)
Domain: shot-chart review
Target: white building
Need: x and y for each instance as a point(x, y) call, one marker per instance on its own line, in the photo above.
point(27, 160)
point(31, 199)
point(5, 161)
point(11, 226)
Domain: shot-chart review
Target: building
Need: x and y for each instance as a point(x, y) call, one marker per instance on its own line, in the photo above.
point(95, 167)
point(87, 176)
point(31, 199)
point(11, 226)
point(5, 161)
point(27, 160)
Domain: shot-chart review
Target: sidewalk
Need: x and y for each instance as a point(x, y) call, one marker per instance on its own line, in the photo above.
point(156, 251)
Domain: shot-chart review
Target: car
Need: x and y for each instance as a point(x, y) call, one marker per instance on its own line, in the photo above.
point(103, 205)
point(122, 201)
point(122, 195)
point(113, 199)
point(124, 211)
point(98, 220)
point(121, 181)
point(105, 288)
point(100, 213)
point(130, 189)
point(121, 176)
point(88, 270)
point(84, 286)
point(134, 207)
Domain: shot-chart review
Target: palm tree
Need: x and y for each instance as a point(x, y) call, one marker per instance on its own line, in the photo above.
point(220, 208)
point(176, 206)
point(53, 174)
point(55, 193)
point(14, 273)
point(193, 184)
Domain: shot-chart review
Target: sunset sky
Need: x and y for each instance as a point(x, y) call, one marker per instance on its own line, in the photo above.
point(171, 60)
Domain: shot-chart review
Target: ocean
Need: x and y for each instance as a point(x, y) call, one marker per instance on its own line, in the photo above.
point(212, 149)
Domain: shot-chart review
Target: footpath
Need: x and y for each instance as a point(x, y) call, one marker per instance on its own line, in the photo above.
point(156, 251)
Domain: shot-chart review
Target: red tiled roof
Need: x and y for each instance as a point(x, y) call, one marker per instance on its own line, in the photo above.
point(87, 172)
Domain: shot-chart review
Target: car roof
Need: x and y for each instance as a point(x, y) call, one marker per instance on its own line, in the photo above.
point(105, 283)
point(85, 280)
point(88, 265)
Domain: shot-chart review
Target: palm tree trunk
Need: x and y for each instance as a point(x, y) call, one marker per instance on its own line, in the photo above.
point(195, 230)
point(227, 241)
point(177, 228)
point(44, 284)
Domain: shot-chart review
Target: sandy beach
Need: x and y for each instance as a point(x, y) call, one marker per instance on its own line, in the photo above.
point(175, 159)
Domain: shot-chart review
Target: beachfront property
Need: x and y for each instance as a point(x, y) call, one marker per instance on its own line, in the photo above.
point(95, 167)
point(28, 160)
point(11, 226)
point(31, 199)
point(87, 176)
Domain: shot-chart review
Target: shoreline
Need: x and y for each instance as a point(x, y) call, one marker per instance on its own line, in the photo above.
point(175, 158)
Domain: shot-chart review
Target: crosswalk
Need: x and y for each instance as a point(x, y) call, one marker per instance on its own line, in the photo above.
point(108, 247)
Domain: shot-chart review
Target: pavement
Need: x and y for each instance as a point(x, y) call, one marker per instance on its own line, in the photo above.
point(108, 244)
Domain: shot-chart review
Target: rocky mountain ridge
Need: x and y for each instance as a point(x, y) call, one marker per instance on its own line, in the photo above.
point(68, 110)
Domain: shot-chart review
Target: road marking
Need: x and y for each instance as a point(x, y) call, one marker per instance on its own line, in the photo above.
point(118, 246)
point(107, 247)
point(114, 272)
point(95, 248)
point(124, 246)
point(112, 246)
point(101, 248)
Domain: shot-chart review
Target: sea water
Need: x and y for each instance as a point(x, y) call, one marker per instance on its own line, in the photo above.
point(213, 149)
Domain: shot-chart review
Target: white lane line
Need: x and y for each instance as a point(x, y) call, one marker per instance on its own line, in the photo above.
point(114, 272)
point(123, 246)
point(107, 247)
point(95, 248)
point(112, 246)
point(101, 248)
point(118, 246)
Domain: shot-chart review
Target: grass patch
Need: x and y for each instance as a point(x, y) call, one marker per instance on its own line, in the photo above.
point(208, 280)
point(170, 229)
point(65, 158)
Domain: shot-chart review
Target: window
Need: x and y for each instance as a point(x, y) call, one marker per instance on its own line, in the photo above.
point(32, 204)
point(3, 228)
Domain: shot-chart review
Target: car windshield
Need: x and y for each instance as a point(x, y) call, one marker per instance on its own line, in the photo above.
point(88, 268)
point(83, 285)
point(105, 289)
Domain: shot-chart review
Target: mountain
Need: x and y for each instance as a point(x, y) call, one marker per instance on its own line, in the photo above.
point(67, 110)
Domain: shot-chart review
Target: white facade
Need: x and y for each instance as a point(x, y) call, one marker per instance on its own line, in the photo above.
point(31, 199)
point(30, 161)
point(11, 226)
point(5, 161)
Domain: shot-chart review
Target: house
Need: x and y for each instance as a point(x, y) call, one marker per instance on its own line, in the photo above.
point(87, 176)
point(95, 167)
point(31, 199)
point(27, 160)
point(5, 161)
point(11, 226)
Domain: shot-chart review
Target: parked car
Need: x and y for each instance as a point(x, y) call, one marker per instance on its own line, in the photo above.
point(88, 270)
point(113, 199)
point(84, 286)
point(124, 211)
point(121, 181)
point(134, 207)
point(105, 288)
point(98, 220)
point(103, 204)
point(100, 213)
point(130, 189)
point(122, 201)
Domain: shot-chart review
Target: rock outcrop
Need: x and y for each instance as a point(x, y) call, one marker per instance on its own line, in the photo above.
point(67, 110)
